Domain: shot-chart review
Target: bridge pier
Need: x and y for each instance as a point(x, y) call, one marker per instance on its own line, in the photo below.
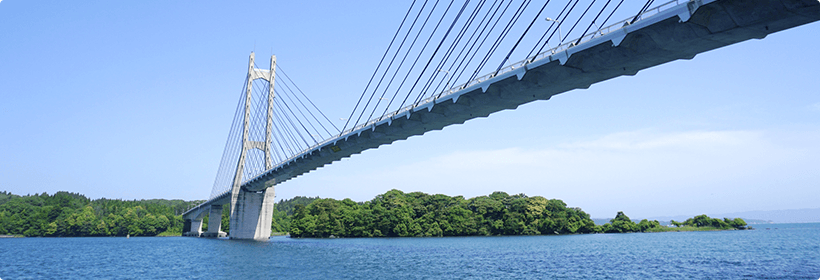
point(215, 223)
point(192, 227)
point(252, 214)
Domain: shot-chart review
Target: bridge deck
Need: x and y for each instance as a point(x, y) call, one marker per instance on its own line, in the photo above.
point(674, 31)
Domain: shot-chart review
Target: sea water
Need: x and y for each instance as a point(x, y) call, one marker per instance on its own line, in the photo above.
point(775, 251)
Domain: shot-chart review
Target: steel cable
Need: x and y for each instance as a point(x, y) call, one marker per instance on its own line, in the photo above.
point(522, 37)
point(593, 22)
point(450, 49)
point(389, 65)
point(309, 101)
point(459, 69)
point(379, 66)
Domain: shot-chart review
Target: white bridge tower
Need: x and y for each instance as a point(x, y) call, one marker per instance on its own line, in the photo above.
point(252, 211)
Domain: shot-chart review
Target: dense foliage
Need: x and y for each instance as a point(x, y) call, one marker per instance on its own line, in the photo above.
point(71, 214)
point(396, 213)
point(283, 212)
point(622, 224)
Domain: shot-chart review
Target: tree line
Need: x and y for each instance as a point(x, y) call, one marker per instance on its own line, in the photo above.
point(72, 214)
point(392, 214)
point(399, 214)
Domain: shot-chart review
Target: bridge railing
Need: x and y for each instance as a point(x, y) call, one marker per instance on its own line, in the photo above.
point(574, 42)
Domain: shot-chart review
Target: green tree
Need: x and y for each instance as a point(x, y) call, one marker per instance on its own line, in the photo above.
point(736, 223)
point(622, 224)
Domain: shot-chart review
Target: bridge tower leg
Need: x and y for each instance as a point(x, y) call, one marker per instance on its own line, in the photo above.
point(252, 212)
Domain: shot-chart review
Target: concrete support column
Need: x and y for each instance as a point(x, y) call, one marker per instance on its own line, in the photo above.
point(252, 214)
point(192, 227)
point(215, 222)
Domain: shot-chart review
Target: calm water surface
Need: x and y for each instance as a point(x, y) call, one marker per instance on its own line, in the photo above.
point(784, 251)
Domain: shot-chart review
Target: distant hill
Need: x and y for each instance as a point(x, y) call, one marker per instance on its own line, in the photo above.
point(782, 216)
point(762, 217)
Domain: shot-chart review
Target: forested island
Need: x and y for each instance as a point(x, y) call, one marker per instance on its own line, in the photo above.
point(399, 214)
point(392, 214)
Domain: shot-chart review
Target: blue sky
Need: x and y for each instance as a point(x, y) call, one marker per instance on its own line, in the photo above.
point(134, 100)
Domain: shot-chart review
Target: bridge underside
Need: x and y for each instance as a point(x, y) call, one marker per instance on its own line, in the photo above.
point(676, 33)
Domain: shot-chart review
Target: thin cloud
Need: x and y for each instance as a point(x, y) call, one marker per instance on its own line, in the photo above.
point(644, 173)
point(642, 140)
point(641, 171)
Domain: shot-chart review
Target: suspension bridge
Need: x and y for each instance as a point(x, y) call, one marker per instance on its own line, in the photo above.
point(278, 133)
